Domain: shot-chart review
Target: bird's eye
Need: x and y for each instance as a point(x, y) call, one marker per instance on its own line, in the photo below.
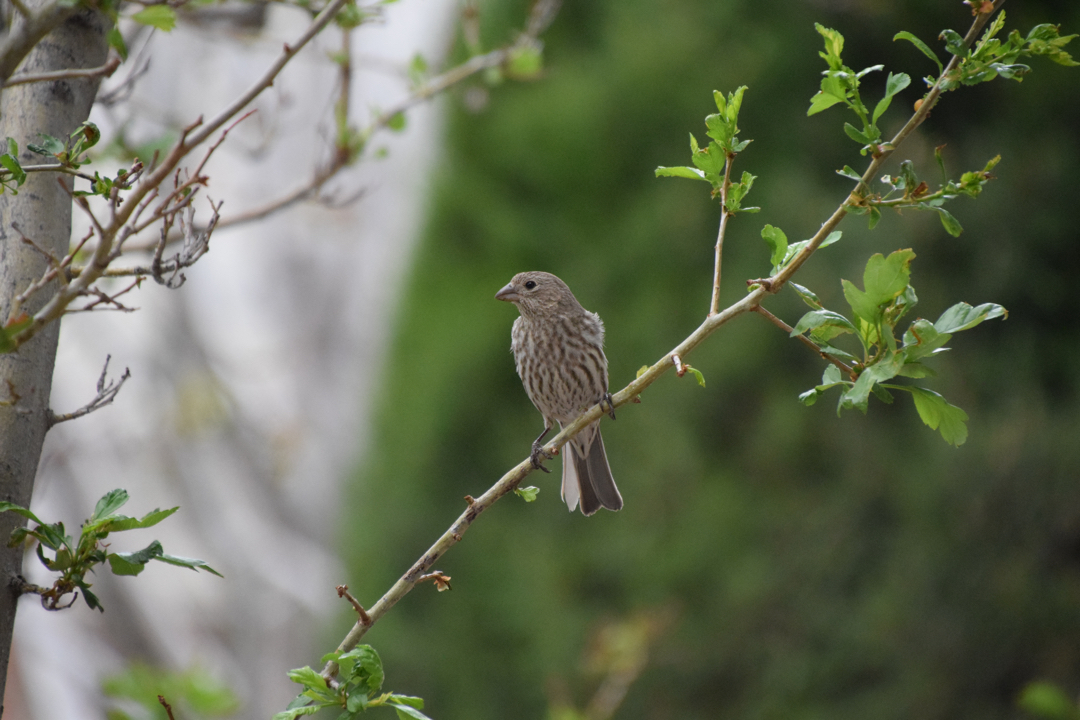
point(530, 285)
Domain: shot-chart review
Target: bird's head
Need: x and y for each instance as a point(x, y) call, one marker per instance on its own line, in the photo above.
point(538, 294)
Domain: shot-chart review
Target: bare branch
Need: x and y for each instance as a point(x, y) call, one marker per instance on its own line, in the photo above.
point(106, 393)
point(105, 70)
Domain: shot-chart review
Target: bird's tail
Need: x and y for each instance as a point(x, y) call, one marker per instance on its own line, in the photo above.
point(587, 475)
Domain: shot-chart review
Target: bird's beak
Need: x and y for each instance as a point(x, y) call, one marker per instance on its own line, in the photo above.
point(507, 293)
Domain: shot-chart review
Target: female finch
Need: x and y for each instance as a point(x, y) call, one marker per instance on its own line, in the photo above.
point(558, 348)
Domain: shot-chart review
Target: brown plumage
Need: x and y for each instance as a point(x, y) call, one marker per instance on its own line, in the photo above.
point(558, 348)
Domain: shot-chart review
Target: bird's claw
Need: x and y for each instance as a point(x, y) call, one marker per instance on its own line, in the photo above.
point(607, 401)
point(538, 452)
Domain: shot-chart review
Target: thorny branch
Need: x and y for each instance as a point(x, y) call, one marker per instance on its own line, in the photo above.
point(759, 290)
point(106, 393)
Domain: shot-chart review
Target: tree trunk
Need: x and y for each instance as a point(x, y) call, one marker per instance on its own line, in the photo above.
point(41, 212)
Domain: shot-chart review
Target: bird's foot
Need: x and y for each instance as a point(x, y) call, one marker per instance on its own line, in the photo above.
point(608, 405)
point(538, 455)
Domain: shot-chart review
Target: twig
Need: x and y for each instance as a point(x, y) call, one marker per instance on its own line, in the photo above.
point(714, 306)
point(167, 706)
point(106, 393)
point(343, 591)
point(844, 367)
point(105, 70)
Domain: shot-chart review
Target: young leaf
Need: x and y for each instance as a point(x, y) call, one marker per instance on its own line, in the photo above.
point(905, 35)
point(528, 494)
point(893, 85)
point(683, 172)
point(109, 503)
point(939, 415)
point(777, 241)
point(951, 224)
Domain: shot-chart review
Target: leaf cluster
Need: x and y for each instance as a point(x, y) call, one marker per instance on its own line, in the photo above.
point(357, 689)
point(876, 310)
point(711, 163)
point(841, 85)
point(75, 559)
point(992, 57)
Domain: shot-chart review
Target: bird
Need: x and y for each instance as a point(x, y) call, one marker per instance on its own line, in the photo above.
point(558, 351)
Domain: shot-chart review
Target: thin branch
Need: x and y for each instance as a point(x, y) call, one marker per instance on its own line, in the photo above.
point(106, 393)
point(844, 367)
point(167, 706)
point(759, 290)
point(343, 591)
point(714, 306)
point(105, 70)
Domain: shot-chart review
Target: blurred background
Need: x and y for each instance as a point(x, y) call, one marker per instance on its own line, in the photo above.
point(327, 403)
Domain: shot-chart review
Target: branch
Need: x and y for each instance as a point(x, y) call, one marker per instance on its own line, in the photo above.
point(148, 184)
point(759, 290)
point(106, 393)
point(105, 70)
point(24, 36)
point(844, 367)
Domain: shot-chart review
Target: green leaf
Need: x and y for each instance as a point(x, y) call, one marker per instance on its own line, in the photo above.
point(821, 101)
point(885, 278)
point(826, 324)
point(860, 303)
point(905, 35)
point(962, 316)
point(777, 241)
point(192, 563)
point(293, 713)
point(528, 494)
point(683, 172)
point(857, 135)
point(135, 562)
point(922, 339)
point(49, 146)
point(149, 520)
point(11, 164)
point(807, 295)
point(405, 712)
point(939, 415)
point(19, 510)
point(109, 503)
point(396, 122)
point(697, 375)
point(893, 85)
point(849, 173)
point(116, 42)
point(162, 17)
point(951, 224)
point(308, 678)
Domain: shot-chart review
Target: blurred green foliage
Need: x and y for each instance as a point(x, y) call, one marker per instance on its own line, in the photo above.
point(812, 566)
